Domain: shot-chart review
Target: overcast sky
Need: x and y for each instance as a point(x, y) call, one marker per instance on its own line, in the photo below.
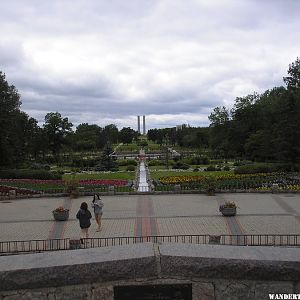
point(107, 61)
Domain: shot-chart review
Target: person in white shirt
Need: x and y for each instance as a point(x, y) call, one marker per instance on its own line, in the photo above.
point(97, 205)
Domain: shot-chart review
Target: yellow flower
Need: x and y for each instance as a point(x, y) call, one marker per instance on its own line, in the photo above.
point(60, 209)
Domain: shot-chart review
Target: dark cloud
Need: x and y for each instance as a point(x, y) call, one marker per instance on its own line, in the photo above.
point(108, 61)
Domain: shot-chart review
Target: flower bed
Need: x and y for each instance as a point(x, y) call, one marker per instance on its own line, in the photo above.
point(59, 186)
point(114, 182)
point(261, 181)
point(5, 190)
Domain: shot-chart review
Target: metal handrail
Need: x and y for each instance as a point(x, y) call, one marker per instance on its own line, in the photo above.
point(28, 246)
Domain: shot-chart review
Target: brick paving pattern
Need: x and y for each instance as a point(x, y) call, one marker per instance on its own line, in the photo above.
point(270, 224)
point(191, 225)
point(130, 215)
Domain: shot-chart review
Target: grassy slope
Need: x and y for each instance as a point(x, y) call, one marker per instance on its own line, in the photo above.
point(159, 174)
point(102, 175)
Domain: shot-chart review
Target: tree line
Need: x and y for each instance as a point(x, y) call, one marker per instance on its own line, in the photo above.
point(259, 127)
point(22, 139)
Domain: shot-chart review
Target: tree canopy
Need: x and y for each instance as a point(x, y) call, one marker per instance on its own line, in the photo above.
point(259, 127)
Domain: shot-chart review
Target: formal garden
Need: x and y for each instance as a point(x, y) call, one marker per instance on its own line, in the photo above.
point(253, 146)
point(238, 179)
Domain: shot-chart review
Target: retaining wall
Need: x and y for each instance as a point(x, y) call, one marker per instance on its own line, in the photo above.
point(211, 272)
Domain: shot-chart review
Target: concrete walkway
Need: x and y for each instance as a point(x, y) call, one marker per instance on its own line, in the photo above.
point(143, 183)
point(141, 215)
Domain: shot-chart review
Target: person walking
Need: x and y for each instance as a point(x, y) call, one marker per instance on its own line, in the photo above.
point(97, 205)
point(84, 216)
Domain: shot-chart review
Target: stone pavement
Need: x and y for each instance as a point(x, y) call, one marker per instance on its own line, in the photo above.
point(142, 215)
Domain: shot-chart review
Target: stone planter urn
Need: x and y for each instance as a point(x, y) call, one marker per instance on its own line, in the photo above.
point(228, 211)
point(61, 215)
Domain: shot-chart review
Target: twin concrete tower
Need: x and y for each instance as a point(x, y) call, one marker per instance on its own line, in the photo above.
point(139, 124)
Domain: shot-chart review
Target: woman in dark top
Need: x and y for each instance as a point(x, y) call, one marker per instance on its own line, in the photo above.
point(84, 216)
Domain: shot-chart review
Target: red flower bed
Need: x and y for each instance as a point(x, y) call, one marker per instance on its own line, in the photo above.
point(6, 189)
point(115, 182)
point(34, 181)
point(32, 186)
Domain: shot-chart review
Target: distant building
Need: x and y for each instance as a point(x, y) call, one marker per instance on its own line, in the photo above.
point(139, 124)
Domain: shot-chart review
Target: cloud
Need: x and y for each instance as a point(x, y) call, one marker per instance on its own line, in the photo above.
point(107, 61)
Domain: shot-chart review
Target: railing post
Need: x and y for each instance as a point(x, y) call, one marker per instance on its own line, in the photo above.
point(177, 188)
point(74, 244)
point(111, 190)
point(12, 194)
point(214, 239)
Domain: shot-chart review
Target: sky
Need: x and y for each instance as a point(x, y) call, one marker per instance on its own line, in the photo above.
point(107, 61)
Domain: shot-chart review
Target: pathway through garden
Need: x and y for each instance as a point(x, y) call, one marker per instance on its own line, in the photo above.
point(143, 184)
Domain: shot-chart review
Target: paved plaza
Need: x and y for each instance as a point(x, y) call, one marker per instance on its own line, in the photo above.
point(142, 215)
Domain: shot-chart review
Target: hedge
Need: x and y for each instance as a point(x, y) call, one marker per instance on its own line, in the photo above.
point(267, 168)
point(28, 174)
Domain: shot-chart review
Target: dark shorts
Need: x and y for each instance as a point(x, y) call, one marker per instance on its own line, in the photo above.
point(85, 227)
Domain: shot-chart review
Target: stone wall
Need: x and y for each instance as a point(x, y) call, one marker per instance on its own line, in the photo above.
point(215, 272)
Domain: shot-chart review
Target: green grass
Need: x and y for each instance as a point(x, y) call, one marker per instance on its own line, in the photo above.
point(128, 148)
point(153, 147)
point(102, 175)
point(167, 173)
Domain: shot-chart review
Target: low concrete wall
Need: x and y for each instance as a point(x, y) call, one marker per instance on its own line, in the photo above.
point(215, 272)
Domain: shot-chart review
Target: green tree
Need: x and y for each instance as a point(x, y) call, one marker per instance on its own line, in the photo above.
point(56, 130)
point(110, 134)
point(257, 146)
point(107, 163)
point(9, 111)
point(245, 121)
point(219, 132)
point(219, 116)
point(127, 134)
point(86, 137)
point(26, 133)
point(293, 81)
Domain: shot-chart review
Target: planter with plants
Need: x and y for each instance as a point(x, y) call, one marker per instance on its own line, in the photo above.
point(60, 214)
point(228, 209)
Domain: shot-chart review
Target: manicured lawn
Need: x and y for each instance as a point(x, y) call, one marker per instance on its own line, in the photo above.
point(153, 147)
point(127, 148)
point(167, 173)
point(101, 175)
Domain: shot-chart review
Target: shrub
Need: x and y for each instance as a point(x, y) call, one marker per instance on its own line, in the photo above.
point(212, 168)
point(127, 162)
point(199, 160)
point(242, 163)
point(286, 167)
point(254, 168)
point(38, 166)
point(57, 174)
point(143, 143)
point(195, 160)
point(226, 168)
point(181, 165)
point(130, 168)
point(28, 174)
point(83, 162)
point(156, 162)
